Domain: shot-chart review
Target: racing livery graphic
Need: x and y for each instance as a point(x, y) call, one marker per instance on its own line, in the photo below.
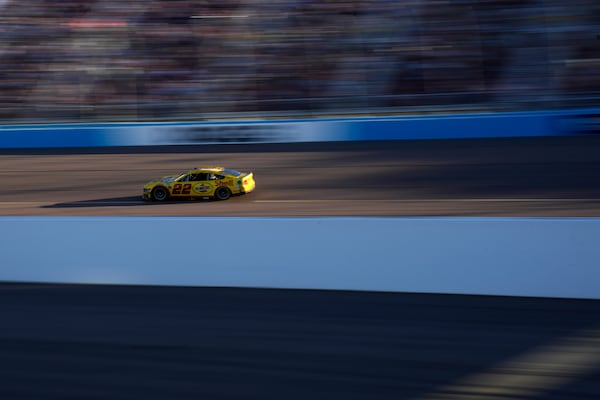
point(213, 182)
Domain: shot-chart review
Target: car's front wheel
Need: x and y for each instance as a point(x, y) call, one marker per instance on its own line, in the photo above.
point(160, 194)
point(222, 193)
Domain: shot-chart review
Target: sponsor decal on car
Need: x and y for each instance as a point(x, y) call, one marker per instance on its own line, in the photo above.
point(202, 188)
point(224, 183)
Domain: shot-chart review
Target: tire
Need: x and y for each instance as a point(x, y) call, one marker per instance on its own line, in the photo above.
point(222, 193)
point(160, 194)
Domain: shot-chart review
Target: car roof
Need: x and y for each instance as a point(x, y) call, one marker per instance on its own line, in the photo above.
point(207, 169)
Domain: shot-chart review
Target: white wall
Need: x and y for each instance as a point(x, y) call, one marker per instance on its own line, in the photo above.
point(496, 256)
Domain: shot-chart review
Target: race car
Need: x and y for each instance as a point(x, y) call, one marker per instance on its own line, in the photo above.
point(204, 182)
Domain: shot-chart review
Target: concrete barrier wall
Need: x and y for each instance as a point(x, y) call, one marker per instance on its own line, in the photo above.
point(493, 256)
point(482, 125)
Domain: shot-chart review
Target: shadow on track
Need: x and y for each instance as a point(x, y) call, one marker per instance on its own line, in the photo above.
point(128, 201)
point(107, 202)
point(124, 342)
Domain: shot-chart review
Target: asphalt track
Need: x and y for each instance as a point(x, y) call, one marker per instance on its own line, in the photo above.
point(555, 176)
point(111, 342)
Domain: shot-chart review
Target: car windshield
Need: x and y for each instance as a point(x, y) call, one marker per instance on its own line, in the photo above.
point(169, 179)
point(180, 176)
point(232, 172)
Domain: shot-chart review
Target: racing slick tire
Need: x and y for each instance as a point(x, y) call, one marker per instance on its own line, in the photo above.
point(222, 193)
point(160, 194)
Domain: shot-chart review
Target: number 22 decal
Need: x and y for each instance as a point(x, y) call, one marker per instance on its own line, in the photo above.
point(182, 189)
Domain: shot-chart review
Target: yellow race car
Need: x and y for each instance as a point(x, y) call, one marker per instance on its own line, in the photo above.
point(205, 182)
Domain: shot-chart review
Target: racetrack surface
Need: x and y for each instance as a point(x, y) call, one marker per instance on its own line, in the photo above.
point(124, 342)
point(551, 176)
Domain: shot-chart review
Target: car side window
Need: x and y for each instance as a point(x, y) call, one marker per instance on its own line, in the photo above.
point(198, 177)
point(214, 177)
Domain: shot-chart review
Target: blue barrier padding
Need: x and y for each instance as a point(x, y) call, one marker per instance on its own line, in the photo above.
point(455, 127)
point(440, 126)
point(51, 138)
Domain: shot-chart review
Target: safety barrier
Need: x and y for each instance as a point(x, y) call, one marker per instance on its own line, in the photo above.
point(516, 257)
point(491, 256)
point(473, 125)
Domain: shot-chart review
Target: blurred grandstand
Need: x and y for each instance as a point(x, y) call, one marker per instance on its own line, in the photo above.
point(73, 60)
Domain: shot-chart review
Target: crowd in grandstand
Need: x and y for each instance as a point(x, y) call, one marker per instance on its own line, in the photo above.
point(141, 59)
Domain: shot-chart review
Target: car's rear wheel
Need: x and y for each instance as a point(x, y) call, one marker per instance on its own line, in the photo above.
point(222, 193)
point(160, 194)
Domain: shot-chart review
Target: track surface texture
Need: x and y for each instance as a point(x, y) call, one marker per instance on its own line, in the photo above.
point(123, 342)
point(554, 176)
point(120, 342)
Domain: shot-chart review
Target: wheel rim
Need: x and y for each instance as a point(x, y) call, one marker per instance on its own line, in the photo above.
point(160, 194)
point(222, 194)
